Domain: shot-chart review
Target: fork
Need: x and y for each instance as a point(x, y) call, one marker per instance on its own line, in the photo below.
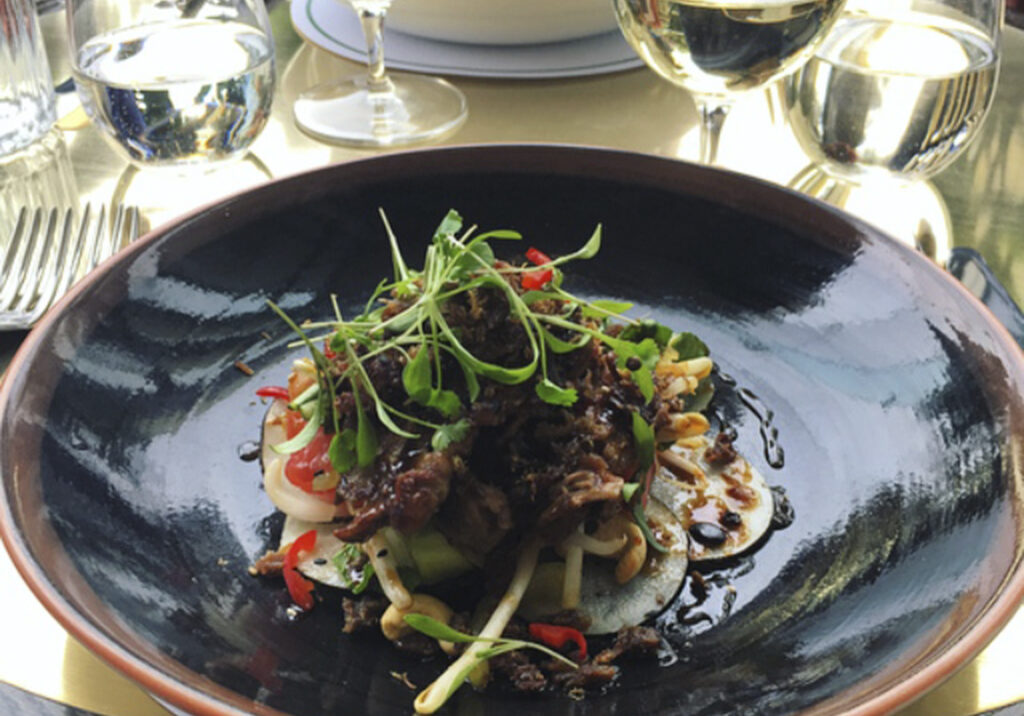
point(47, 251)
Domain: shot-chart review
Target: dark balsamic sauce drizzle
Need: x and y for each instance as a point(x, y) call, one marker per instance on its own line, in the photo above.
point(710, 585)
point(773, 451)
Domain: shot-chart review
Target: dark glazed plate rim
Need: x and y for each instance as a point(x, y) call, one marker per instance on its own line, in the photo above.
point(730, 190)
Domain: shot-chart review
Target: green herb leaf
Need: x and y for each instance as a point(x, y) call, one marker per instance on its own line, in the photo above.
point(304, 436)
point(504, 234)
point(647, 328)
point(643, 436)
point(531, 297)
point(366, 436)
point(398, 263)
point(628, 490)
point(587, 251)
point(472, 259)
point(445, 402)
point(416, 376)
point(603, 308)
point(689, 346)
point(646, 351)
point(342, 450)
point(445, 435)
point(350, 561)
point(438, 630)
point(306, 396)
point(450, 225)
point(472, 383)
point(555, 395)
point(557, 345)
point(501, 374)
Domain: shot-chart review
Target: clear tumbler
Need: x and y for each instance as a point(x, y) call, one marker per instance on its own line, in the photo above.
point(27, 104)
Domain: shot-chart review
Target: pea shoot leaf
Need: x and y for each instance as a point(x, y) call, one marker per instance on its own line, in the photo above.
point(472, 259)
point(342, 450)
point(557, 345)
point(445, 402)
point(366, 436)
point(353, 569)
point(643, 437)
point(689, 346)
point(450, 225)
point(556, 395)
point(647, 328)
point(601, 308)
point(416, 376)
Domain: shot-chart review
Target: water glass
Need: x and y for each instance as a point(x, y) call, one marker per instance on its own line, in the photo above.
point(27, 104)
point(172, 83)
point(899, 89)
point(39, 176)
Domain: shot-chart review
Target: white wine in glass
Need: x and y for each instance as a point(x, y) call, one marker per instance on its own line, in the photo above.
point(379, 109)
point(717, 49)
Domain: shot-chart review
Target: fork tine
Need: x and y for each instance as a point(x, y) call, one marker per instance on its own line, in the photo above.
point(15, 240)
point(117, 232)
point(58, 269)
point(48, 251)
point(96, 241)
point(37, 279)
point(81, 248)
point(133, 223)
point(14, 279)
point(124, 220)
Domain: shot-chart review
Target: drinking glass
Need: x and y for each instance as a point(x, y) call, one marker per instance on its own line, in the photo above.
point(379, 109)
point(172, 83)
point(899, 88)
point(717, 49)
point(27, 103)
point(893, 96)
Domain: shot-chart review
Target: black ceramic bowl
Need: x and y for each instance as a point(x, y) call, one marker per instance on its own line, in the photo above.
point(896, 397)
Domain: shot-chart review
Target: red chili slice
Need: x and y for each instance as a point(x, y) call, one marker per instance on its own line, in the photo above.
point(557, 636)
point(300, 588)
point(535, 280)
point(537, 257)
point(273, 391)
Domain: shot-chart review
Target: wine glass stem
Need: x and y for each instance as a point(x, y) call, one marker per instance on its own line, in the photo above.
point(712, 117)
point(371, 16)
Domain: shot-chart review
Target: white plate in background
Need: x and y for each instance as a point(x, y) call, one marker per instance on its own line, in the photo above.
point(334, 27)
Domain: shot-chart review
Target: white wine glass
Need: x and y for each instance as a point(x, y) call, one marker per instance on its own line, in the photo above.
point(892, 97)
point(173, 83)
point(380, 109)
point(718, 49)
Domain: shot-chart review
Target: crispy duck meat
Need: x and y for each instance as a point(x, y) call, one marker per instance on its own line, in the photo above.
point(525, 464)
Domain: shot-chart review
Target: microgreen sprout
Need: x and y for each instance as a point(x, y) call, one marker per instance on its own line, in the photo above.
point(457, 261)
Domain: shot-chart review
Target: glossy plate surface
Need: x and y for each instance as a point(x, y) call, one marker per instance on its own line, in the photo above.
point(896, 397)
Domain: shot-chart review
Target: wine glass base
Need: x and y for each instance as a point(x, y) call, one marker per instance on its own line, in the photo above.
point(416, 109)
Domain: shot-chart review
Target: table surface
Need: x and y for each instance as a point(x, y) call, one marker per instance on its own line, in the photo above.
point(978, 202)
